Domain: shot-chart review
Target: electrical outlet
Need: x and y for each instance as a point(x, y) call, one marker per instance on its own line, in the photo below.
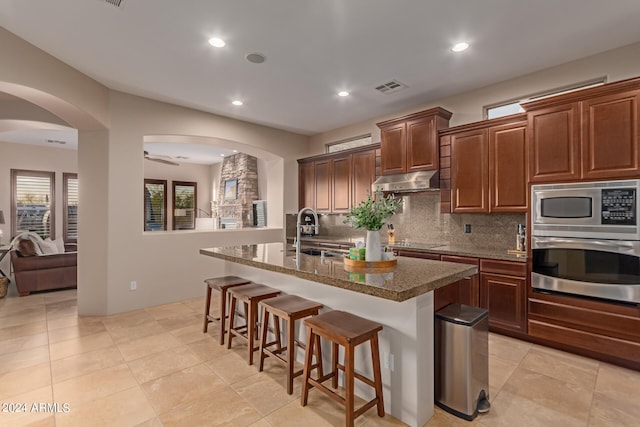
point(467, 228)
point(388, 361)
point(133, 286)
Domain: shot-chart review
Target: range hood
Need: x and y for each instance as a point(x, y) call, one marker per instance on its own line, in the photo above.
point(408, 182)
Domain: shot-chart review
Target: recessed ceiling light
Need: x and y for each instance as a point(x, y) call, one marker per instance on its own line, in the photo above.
point(343, 93)
point(237, 102)
point(459, 47)
point(216, 42)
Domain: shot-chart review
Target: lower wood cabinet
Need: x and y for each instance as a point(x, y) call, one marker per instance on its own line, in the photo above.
point(503, 291)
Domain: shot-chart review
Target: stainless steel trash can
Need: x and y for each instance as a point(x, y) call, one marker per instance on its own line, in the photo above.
point(462, 360)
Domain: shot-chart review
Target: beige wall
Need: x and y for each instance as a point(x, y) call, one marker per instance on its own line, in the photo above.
point(617, 64)
point(113, 248)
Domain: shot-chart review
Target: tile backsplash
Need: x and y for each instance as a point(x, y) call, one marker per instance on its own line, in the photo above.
point(422, 222)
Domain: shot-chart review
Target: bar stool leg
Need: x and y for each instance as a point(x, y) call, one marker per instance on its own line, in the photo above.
point(319, 357)
point(232, 315)
point(306, 373)
point(223, 312)
point(377, 377)
point(291, 351)
point(207, 303)
point(334, 364)
point(349, 382)
point(251, 328)
point(263, 336)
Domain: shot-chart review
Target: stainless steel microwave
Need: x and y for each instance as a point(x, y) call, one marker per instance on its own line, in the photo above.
point(596, 210)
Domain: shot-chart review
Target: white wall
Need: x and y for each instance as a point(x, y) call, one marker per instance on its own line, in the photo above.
point(616, 64)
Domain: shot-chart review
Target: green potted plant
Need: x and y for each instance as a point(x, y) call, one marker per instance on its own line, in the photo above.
point(371, 214)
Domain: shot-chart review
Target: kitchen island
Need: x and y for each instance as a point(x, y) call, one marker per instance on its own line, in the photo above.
point(400, 298)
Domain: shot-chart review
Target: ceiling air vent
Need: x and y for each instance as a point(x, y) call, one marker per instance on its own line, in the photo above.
point(56, 141)
point(116, 3)
point(391, 87)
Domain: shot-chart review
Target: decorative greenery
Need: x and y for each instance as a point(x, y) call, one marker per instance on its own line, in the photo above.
point(371, 214)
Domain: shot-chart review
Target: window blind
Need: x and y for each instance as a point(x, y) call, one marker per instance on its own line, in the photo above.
point(33, 202)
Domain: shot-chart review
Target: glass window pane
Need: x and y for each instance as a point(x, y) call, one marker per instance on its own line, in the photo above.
point(33, 202)
point(184, 205)
point(155, 205)
point(70, 212)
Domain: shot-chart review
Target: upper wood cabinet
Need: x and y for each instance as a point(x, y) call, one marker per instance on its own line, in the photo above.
point(332, 183)
point(410, 143)
point(487, 166)
point(587, 134)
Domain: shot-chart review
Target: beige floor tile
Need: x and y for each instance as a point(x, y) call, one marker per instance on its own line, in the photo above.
point(46, 422)
point(22, 314)
point(196, 304)
point(128, 407)
point(225, 408)
point(167, 393)
point(129, 319)
point(265, 393)
point(61, 295)
point(499, 372)
point(155, 422)
point(85, 363)
point(19, 381)
point(508, 348)
point(145, 346)
point(562, 366)
point(207, 348)
point(573, 358)
point(191, 334)
point(28, 414)
point(23, 359)
point(607, 411)
point(559, 396)
point(183, 321)
point(24, 343)
point(16, 321)
point(509, 410)
point(80, 345)
point(63, 322)
point(164, 363)
point(22, 330)
point(232, 367)
point(261, 423)
point(123, 333)
point(618, 383)
point(169, 310)
point(93, 386)
point(81, 328)
point(60, 309)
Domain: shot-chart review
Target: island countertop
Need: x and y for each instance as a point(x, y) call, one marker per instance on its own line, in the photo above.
point(410, 278)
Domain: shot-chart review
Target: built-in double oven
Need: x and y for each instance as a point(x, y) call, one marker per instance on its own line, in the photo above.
point(585, 239)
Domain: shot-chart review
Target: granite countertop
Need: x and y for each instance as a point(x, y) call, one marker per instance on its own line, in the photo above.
point(410, 278)
point(436, 248)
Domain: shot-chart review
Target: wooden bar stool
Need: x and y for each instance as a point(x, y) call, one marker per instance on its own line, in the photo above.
point(220, 284)
point(250, 295)
point(347, 330)
point(289, 308)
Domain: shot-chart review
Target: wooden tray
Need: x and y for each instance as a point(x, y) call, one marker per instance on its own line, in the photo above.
point(352, 263)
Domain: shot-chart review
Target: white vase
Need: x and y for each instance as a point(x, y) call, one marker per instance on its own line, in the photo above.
point(372, 246)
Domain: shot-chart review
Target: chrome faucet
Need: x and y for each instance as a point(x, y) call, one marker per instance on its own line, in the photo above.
point(299, 228)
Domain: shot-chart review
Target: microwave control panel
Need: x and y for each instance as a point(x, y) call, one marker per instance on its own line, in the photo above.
point(619, 206)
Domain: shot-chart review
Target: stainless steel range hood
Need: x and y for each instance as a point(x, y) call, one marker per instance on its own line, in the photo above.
point(408, 182)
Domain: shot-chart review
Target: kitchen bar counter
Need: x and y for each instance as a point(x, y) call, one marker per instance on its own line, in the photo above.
point(400, 299)
point(410, 278)
point(435, 248)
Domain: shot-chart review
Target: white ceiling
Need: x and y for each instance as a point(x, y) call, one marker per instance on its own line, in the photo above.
point(158, 49)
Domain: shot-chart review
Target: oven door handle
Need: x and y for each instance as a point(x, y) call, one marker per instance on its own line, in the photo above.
point(615, 246)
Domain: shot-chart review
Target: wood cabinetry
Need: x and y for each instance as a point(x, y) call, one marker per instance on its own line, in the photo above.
point(487, 166)
point(589, 134)
point(332, 183)
point(468, 288)
point(503, 290)
point(410, 143)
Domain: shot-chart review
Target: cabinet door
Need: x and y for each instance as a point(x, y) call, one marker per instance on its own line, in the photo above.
point(341, 184)
point(610, 136)
point(469, 172)
point(422, 145)
point(323, 185)
point(468, 289)
point(504, 296)
point(508, 168)
point(554, 134)
point(364, 173)
point(394, 149)
point(306, 185)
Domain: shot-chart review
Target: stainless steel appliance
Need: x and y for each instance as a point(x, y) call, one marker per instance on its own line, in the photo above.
point(585, 239)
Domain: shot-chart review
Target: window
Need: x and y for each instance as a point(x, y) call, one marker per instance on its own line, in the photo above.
point(184, 205)
point(345, 144)
point(513, 106)
point(32, 202)
point(155, 205)
point(70, 207)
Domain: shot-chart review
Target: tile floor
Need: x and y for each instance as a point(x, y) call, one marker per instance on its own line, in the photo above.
point(154, 367)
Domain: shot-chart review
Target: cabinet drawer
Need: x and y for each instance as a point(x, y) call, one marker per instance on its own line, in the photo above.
point(509, 268)
point(416, 254)
point(460, 259)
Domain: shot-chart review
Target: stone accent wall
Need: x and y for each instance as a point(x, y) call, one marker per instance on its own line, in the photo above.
point(245, 169)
